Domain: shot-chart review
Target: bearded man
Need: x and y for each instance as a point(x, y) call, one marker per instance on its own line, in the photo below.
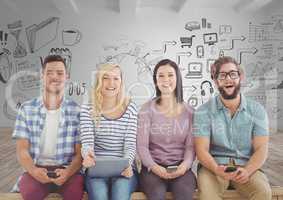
point(231, 127)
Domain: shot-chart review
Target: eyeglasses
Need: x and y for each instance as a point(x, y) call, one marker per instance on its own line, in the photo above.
point(232, 74)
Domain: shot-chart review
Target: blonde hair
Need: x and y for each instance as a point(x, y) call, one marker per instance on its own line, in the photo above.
point(96, 96)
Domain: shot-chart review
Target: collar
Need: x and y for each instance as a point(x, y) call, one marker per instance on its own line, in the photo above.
point(219, 105)
point(39, 101)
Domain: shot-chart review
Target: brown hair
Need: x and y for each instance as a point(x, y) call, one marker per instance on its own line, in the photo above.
point(179, 86)
point(53, 58)
point(215, 67)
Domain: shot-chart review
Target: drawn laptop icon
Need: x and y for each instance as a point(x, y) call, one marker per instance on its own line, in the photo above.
point(194, 70)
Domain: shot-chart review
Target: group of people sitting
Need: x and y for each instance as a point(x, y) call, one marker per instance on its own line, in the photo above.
point(56, 138)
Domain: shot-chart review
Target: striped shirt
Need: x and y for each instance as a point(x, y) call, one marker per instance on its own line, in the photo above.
point(113, 137)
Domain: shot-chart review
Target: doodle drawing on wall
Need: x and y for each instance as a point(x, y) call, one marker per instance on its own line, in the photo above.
point(15, 30)
point(194, 70)
point(6, 66)
point(71, 37)
point(42, 34)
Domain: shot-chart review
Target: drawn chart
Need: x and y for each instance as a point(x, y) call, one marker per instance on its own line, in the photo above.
point(263, 32)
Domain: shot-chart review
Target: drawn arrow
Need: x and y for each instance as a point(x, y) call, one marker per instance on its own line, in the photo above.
point(164, 46)
point(190, 89)
point(252, 50)
point(180, 54)
point(170, 42)
point(240, 38)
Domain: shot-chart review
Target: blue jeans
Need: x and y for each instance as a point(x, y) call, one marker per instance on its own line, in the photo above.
point(116, 188)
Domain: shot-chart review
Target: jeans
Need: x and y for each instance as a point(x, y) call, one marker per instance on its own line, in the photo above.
point(115, 188)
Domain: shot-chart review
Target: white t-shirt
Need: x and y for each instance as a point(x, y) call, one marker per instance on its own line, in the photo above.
point(48, 140)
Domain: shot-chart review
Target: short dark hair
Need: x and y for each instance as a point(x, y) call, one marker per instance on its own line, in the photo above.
point(179, 85)
point(53, 58)
point(215, 67)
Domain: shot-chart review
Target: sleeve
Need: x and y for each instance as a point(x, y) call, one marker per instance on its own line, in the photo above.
point(189, 155)
point(144, 126)
point(131, 136)
point(86, 130)
point(260, 127)
point(21, 126)
point(201, 123)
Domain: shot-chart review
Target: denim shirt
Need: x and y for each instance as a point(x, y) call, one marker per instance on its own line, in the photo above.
point(230, 137)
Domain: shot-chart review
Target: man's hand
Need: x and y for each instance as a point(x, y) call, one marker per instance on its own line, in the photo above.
point(63, 176)
point(242, 176)
point(128, 172)
point(181, 170)
point(88, 161)
point(40, 174)
point(160, 171)
point(220, 171)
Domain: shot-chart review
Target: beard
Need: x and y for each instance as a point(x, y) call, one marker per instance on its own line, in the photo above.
point(230, 96)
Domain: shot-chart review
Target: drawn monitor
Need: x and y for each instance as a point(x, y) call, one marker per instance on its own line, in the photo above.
point(194, 70)
point(210, 38)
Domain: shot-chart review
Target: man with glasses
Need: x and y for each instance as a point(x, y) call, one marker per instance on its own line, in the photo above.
point(231, 138)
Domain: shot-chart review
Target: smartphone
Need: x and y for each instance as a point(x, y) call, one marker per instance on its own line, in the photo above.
point(171, 169)
point(52, 174)
point(230, 169)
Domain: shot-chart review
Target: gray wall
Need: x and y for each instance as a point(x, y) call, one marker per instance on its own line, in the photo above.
point(95, 35)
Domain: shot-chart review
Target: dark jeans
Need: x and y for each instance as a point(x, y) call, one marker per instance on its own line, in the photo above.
point(155, 187)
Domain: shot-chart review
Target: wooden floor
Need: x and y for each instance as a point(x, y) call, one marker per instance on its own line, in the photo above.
point(10, 169)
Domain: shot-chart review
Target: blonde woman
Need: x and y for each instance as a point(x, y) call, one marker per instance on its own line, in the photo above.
point(108, 128)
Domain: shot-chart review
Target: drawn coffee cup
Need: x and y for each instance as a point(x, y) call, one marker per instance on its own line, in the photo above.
point(71, 37)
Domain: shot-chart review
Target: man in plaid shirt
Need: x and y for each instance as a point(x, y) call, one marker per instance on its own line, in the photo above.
point(47, 135)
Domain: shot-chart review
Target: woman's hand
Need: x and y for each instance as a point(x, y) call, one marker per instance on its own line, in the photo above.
point(89, 161)
point(181, 170)
point(128, 172)
point(160, 171)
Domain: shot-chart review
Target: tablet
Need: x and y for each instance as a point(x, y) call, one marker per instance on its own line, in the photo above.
point(107, 167)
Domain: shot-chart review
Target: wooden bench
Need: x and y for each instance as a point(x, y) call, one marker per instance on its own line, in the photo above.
point(277, 194)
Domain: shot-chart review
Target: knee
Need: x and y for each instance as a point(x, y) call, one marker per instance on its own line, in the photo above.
point(31, 194)
point(30, 191)
point(27, 195)
point(263, 193)
point(154, 192)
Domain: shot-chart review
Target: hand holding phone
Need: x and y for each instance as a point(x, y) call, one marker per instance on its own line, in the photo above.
point(172, 168)
point(231, 167)
point(52, 174)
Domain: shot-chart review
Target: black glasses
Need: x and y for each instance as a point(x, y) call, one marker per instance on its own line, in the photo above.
point(232, 74)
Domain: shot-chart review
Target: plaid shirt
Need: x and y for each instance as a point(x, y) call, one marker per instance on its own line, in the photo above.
point(30, 123)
